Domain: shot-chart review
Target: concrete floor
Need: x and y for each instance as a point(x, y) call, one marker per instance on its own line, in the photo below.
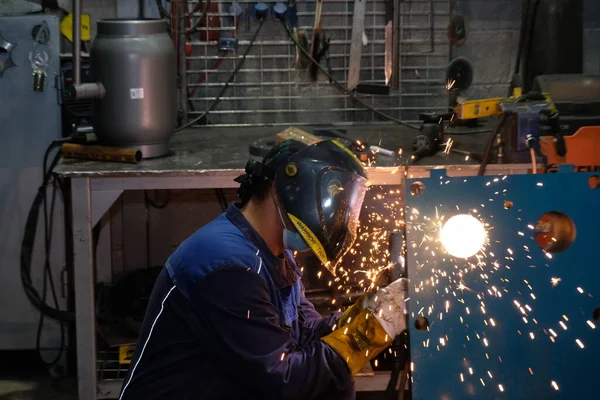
point(44, 388)
point(24, 377)
point(37, 388)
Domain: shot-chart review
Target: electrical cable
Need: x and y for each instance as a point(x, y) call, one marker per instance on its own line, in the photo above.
point(342, 87)
point(48, 279)
point(526, 36)
point(490, 144)
point(224, 88)
point(521, 36)
point(194, 28)
point(28, 241)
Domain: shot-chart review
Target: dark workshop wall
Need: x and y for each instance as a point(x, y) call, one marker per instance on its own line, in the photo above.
point(493, 38)
point(591, 37)
point(281, 95)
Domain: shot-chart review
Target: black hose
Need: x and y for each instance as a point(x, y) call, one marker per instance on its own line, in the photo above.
point(224, 88)
point(490, 144)
point(530, 38)
point(527, 27)
point(48, 279)
point(28, 242)
point(521, 36)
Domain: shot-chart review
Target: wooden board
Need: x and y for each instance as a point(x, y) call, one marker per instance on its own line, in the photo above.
point(297, 134)
point(358, 27)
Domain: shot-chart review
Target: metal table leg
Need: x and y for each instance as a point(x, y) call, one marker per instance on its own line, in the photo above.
point(84, 287)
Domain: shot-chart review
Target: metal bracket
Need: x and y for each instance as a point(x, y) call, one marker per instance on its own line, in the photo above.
point(7, 47)
point(101, 201)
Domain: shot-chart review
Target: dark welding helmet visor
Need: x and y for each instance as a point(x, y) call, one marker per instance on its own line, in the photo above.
point(321, 189)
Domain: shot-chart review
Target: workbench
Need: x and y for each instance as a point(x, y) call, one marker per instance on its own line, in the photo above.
point(210, 159)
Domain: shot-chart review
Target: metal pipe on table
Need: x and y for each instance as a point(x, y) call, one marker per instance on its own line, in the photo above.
point(78, 90)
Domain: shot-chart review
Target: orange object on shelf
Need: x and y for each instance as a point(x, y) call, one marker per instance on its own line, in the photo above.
point(583, 150)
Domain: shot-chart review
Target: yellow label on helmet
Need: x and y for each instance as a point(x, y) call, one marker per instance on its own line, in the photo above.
point(347, 150)
point(310, 239)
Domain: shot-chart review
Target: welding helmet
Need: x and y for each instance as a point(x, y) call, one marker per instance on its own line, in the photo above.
point(321, 189)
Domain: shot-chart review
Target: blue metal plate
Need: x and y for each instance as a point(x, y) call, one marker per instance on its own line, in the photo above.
point(513, 321)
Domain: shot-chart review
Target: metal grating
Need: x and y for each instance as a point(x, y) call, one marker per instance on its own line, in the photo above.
point(268, 90)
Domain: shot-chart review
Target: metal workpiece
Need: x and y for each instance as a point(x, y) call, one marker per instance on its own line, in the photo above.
point(135, 61)
point(504, 285)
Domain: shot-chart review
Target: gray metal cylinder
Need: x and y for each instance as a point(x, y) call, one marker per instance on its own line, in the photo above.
point(135, 61)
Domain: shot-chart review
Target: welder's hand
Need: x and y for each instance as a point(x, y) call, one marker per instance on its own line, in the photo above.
point(377, 320)
point(351, 312)
point(388, 305)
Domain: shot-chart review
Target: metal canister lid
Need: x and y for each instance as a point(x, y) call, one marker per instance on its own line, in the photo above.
point(131, 27)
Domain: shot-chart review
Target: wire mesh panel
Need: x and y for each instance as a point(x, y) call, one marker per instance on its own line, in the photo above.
point(270, 90)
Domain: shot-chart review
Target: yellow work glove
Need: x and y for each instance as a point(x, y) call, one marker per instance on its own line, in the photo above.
point(372, 329)
point(351, 312)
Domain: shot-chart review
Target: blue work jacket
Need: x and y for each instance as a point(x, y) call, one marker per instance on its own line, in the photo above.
point(227, 319)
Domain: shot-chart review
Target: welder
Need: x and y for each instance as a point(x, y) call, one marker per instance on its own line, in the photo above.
point(228, 318)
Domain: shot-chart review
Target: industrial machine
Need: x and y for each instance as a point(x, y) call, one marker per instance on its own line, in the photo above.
point(504, 285)
point(76, 114)
point(30, 118)
point(548, 102)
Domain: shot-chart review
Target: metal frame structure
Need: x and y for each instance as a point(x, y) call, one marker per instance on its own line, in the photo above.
point(269, 90)
point(92, 195)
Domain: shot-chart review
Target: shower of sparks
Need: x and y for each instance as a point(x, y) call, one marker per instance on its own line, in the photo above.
point(450, 84)
point(554, 385)
point(555, 281)
point(579, 343)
